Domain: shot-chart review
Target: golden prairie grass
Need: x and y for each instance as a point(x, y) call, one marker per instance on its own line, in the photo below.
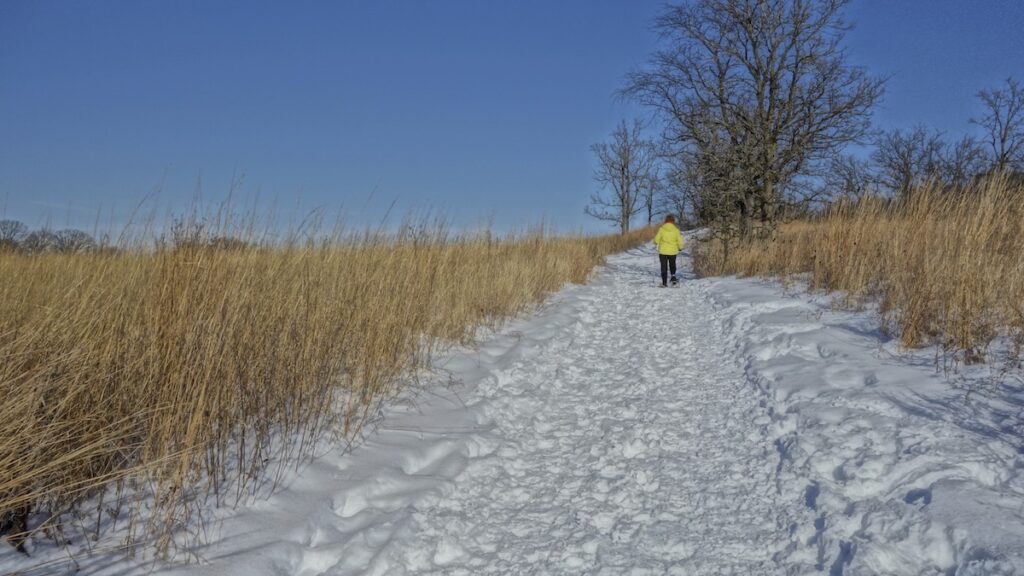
point(945, 266)
point(179, 371)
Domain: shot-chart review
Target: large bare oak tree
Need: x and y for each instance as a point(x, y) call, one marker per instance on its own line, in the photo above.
point(756, 94)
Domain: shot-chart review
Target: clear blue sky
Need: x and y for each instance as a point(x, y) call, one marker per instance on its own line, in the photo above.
point(481, 109)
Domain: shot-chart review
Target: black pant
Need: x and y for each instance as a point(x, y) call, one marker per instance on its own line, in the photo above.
point(667, 263)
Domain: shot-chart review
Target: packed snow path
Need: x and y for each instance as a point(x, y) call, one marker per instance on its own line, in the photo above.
point(629, 444)
point(612, 432)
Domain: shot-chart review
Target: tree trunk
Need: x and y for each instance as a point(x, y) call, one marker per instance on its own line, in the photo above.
point(746, 207)
point(766, 210)
point(767, 202)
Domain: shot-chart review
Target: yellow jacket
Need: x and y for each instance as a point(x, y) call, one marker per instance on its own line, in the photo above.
point(668, 239)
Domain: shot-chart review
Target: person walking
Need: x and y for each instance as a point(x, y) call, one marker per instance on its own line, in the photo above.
point(669, 242)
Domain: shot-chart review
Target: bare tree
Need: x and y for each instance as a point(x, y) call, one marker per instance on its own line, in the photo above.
point(12, 233)
point(40, 241)
point(675, 193)
point(963, 160)
point(650, 192)
point(905, 160)
point(757, 92)
point(849, 177)
point(627, 169)
point(675, 202)
point(71, 240)
point(1004, 125)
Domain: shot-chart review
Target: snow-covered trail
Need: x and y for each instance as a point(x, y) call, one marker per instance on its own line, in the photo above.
point(630, 442)
point(612, 432)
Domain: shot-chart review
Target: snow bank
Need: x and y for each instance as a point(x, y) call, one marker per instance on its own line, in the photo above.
point(904, 471)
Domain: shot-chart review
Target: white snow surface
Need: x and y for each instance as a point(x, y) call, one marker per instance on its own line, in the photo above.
point(721, 427)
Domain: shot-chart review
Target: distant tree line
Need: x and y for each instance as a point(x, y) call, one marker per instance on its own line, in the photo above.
point(183, 234)
point(903, 160)
point(16, 236)
point(191, 233)
point(755, 107)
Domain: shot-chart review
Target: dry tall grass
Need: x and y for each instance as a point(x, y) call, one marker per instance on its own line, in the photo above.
point(947, 267)
point(168, 372)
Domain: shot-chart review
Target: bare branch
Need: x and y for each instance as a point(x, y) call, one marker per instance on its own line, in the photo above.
point(1004, 125)
point(907, 159)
